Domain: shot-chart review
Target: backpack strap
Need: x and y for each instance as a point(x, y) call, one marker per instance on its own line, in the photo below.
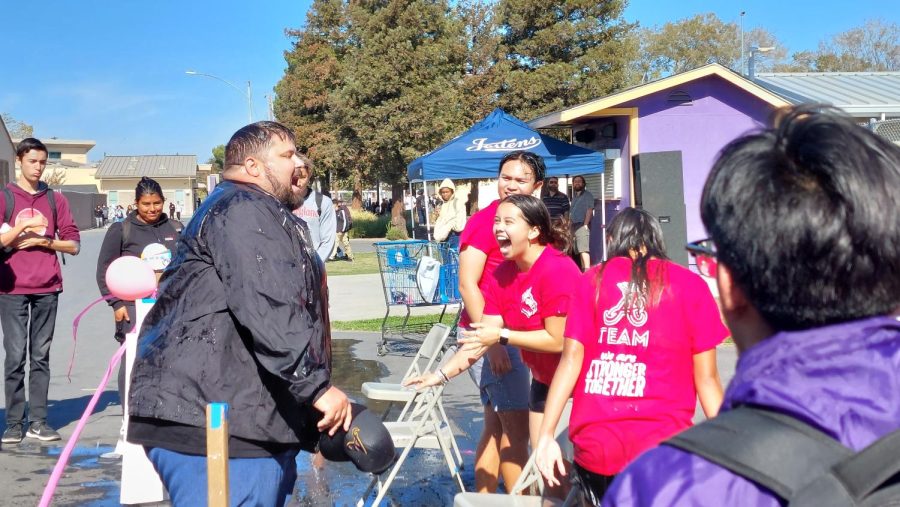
point(854, 479)
point(51, 199)
point(10, 201)
point(773, 450)
point(319, 199)
point(126, 232)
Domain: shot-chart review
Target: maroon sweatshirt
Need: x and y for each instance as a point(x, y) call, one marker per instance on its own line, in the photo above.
point(36, 270)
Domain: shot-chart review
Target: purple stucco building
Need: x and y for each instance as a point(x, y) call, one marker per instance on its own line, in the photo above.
point(695, 113)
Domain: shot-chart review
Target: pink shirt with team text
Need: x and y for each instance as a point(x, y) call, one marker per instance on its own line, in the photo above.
point(525, 299)
point(479, 234)
point(636, 385)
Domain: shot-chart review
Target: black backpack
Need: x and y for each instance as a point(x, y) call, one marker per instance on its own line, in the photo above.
point(795, 461)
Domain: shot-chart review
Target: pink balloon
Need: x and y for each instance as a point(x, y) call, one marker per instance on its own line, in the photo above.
point(129, 278)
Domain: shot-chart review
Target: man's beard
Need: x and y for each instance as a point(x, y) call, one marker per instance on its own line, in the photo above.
point(283, 192)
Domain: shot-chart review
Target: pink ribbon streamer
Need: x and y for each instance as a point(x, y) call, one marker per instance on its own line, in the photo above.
point(75, 332)
point(70, 445)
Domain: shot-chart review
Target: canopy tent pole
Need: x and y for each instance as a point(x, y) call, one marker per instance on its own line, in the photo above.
point(427, 209)
point(412, 211)
point(603, 211)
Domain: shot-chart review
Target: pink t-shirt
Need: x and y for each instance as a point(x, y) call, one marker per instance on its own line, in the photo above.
point(479, 233)
point(636, 385)
point(524, 300)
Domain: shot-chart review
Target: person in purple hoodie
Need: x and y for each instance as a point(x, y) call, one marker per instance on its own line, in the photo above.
point(805, 247)
point(30, 283)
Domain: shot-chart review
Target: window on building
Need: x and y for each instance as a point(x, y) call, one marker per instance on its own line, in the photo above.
point(54, 155)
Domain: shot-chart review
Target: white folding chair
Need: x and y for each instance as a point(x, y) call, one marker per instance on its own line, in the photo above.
point(522, 493)
point(423, 428)
point(429, 352)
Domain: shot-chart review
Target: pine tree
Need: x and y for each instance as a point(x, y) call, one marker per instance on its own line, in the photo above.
point(564, 54)
point(400, 95)
point(312, 77)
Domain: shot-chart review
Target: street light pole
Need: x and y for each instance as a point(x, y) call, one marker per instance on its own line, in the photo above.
point(248, 94)
point(742, 43)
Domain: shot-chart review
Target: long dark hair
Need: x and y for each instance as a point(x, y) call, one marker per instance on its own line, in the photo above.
point(636, 234)
point(147, 186)
point(536, 215)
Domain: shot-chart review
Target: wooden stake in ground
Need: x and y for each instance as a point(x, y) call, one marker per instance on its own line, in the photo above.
point(217, 454)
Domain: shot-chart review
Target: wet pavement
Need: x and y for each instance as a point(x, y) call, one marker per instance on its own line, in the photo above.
point(91, 481)
point(423, 480)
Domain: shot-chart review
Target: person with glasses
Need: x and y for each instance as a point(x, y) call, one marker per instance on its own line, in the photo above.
point(640, 349)
point(810, 289)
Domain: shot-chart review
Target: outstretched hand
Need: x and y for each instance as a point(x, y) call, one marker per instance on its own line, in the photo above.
point(549, 460)
point(423, 381)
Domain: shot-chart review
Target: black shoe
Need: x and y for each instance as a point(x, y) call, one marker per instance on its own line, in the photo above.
point(13, 434)
point(42, 431)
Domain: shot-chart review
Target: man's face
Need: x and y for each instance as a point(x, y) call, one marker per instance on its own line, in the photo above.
point(578, 184)
point(446, 194)
point(281, 170)
point(516, 177)
point(33, 163)
point(553, 185)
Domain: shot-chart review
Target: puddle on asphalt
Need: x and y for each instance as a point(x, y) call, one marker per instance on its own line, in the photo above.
point(318, 484)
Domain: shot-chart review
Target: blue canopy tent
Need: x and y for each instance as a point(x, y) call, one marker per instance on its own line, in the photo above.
point(476, 153)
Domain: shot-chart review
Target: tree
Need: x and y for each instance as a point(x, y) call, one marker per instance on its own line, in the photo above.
point(693, 42)
point(17, 129)
point(217, 159)
point(575, 51)
point(400, 95)
point(54, 176)
point(485, 68)
point(873, 47)
point(312, 77)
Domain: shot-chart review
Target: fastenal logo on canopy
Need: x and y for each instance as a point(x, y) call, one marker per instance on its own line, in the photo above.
point(504, 145)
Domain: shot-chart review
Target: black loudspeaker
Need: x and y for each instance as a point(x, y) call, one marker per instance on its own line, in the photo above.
point(585, 136)
point(659, 189)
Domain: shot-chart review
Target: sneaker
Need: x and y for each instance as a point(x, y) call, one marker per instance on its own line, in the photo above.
point(42, 431)
point(13, 434)
point(110, 456)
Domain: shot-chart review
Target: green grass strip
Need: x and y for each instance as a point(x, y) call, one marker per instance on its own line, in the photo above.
point(393, 322)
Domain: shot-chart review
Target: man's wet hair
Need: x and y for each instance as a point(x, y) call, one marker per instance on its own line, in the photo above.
point(28, 144)
point(253, 140)
point(804, 215)
point(534, 161)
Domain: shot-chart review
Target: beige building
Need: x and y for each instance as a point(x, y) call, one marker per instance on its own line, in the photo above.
point(72, 150)
point(67, 163)
point(176, 174)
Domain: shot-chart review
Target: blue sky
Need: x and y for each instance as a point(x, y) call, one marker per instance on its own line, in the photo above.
point(114, 70)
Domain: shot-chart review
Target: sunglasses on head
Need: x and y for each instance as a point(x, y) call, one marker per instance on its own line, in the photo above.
point(704, 252)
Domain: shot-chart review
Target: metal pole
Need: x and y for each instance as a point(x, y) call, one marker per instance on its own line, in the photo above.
point(248, 93)
point(249, 102)
point(742, 44)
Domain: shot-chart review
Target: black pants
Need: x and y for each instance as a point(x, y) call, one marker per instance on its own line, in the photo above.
point(593, 486)
point(28, 322)
point(122, 328)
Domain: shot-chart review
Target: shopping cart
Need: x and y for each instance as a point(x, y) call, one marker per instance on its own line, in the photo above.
point(417, 273)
